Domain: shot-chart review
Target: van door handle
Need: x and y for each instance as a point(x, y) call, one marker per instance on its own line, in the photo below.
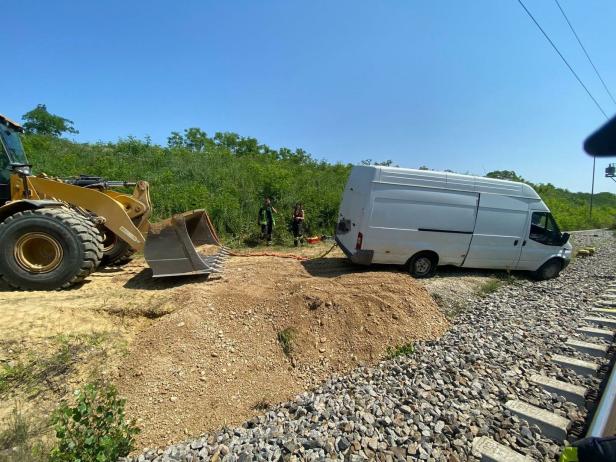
point(515, 242)
point(523, 242)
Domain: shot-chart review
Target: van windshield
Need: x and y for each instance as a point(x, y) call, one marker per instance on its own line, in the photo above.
point(544, 229)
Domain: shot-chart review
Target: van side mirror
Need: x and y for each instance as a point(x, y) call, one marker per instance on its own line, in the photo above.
point(565, 238)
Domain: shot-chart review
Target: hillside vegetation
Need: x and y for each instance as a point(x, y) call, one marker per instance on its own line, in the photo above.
point(229, 175)
point(570, 209)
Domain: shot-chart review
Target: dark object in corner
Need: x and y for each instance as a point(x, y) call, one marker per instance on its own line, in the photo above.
point(602, 142)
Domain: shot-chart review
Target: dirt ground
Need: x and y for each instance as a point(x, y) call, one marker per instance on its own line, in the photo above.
point(57, 340)
point(193, 354)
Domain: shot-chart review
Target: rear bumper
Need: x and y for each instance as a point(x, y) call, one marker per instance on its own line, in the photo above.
point(360, 257)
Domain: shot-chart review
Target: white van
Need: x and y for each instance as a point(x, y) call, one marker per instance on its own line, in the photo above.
point(423, 218)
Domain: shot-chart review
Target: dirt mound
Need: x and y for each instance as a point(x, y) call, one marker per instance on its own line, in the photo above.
point(263, 332)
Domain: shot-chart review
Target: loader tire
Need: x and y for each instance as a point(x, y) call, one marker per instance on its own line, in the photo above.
point(116, 252)
point(48, 249)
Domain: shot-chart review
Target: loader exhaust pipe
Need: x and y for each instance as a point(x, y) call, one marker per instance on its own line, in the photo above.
point(170, 247)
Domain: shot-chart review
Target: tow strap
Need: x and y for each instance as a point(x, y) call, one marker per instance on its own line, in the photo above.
point(283, 255)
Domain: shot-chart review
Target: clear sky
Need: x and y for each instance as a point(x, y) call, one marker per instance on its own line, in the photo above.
point(467, 85)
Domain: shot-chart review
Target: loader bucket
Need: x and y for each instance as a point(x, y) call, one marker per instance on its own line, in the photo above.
point(170, 248)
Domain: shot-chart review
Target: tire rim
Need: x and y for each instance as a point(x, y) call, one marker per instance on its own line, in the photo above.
point(109, 240)
point(423, 265)
point(38, 252)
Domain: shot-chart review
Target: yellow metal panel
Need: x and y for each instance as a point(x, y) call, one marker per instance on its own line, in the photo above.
point(116, 218)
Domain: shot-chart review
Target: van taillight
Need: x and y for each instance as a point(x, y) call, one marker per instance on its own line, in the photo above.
point(360, 239)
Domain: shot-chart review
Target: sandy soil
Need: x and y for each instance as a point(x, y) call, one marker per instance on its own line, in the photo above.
point(201, 353)
point(218, 360)
point(110, 308)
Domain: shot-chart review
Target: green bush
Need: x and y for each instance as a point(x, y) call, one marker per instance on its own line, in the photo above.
point(95, 429)
point(571, 210)
point(401, 350)
point(286, 338)
point(221, 175)
point(229, 176)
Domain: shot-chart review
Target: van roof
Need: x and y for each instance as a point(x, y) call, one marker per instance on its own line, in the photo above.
point(446, 180)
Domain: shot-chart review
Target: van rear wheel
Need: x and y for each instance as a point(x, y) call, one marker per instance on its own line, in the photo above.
point(549, 270)
point(422, 265)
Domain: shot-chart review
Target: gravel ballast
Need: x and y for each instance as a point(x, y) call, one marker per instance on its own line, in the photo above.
point(431, 404)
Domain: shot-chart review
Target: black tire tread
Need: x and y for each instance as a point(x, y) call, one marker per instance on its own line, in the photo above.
point(86, 231)
point(433, 258)
point(540, 273)
point(125, 258)
point(122, 259)
point(94, 246)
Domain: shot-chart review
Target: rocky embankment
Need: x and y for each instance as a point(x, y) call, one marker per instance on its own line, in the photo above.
point(430, 405)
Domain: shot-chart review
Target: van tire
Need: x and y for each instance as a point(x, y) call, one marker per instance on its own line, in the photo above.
point(423, 265)
point(549, 270)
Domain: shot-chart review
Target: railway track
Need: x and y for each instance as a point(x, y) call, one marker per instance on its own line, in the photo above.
point(592, 353)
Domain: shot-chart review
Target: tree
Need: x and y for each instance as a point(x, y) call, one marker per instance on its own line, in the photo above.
point(175, 140)
point(41, 122)
point(193, 138)
point(383, 163)
point(505, 175)
point(196, 139)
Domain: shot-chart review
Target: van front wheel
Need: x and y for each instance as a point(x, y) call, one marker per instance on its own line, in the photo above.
point(422, 265)
point(548, 270)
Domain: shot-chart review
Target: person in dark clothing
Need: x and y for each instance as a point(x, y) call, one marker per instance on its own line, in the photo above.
point(298, 224)
point(266, 220)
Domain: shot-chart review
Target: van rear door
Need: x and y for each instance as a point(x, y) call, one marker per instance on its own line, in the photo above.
point(355, 201)
point(499, 232)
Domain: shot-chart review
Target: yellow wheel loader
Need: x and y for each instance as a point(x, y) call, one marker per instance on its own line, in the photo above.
point(55, 232)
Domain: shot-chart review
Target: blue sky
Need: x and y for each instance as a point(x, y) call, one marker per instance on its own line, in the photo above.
point(466, 85)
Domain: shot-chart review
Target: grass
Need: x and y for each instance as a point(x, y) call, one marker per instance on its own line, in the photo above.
point(489, 287)
point(20, 439)
point(496, 283)
point(286, 338)
point(454, 309)
point(34, 372)
point(401, 350)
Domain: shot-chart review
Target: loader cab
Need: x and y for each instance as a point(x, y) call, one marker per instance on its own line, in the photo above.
point(12, 156)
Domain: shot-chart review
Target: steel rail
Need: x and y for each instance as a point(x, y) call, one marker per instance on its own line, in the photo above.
point(604, 420)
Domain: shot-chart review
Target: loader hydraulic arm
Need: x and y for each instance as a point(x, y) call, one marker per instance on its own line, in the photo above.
point(120, 211)
point(98, 182)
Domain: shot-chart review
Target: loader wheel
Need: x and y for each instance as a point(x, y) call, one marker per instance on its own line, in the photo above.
point(116, 252)
point(48, 249)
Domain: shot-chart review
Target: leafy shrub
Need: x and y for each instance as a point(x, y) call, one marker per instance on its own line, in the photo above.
point(227, 175)
point(401, 350)
point(286, 339)
point(230, 175)
point(95, 429)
